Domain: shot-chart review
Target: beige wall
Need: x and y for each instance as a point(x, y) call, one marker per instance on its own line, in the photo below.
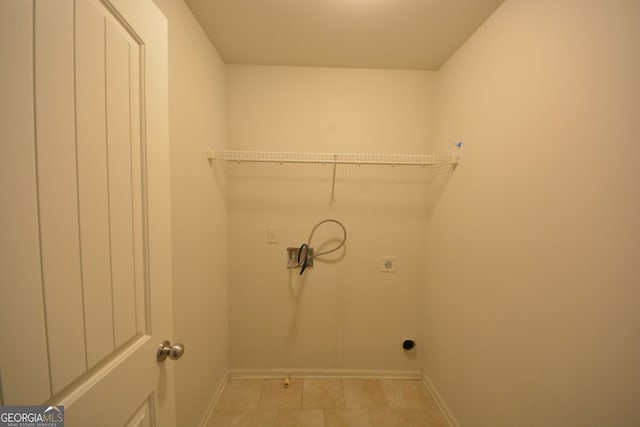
point(199, 218)
point(345, 314)
point(533, 304)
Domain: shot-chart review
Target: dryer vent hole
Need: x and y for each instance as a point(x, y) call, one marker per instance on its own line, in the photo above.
point(408, 344)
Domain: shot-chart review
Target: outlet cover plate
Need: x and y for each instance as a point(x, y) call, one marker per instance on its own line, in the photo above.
point(388, 264)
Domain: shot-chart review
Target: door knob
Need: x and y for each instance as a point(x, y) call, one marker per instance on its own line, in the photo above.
point(165, 349)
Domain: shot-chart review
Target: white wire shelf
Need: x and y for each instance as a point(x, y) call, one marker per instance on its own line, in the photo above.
point(333, 158)
point(421, 160)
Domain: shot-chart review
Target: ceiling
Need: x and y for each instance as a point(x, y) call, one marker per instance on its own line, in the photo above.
point(394, 34)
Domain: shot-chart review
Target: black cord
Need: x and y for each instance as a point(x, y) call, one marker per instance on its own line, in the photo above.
point(306, 257)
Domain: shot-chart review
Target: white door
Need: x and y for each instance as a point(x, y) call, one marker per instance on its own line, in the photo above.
point(85, 269)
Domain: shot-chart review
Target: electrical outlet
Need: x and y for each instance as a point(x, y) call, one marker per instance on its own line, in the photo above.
point(388, 264)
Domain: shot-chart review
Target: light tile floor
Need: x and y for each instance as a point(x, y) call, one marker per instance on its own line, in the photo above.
point(326, 402)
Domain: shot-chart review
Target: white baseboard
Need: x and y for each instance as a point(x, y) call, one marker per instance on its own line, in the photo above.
point(448, 415)
point(320, 373)
point(214, 400)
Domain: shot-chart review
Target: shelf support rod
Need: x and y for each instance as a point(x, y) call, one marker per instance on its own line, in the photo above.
point(333, 180)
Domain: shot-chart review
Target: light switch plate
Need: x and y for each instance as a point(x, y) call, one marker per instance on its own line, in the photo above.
point(273, 234)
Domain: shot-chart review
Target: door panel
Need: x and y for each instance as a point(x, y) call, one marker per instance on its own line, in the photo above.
point(137, 189)
point(20, 245)
point(120, 145)
point(57, 190)
point(142, 417)
point(93, 186)
point(85, 180)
